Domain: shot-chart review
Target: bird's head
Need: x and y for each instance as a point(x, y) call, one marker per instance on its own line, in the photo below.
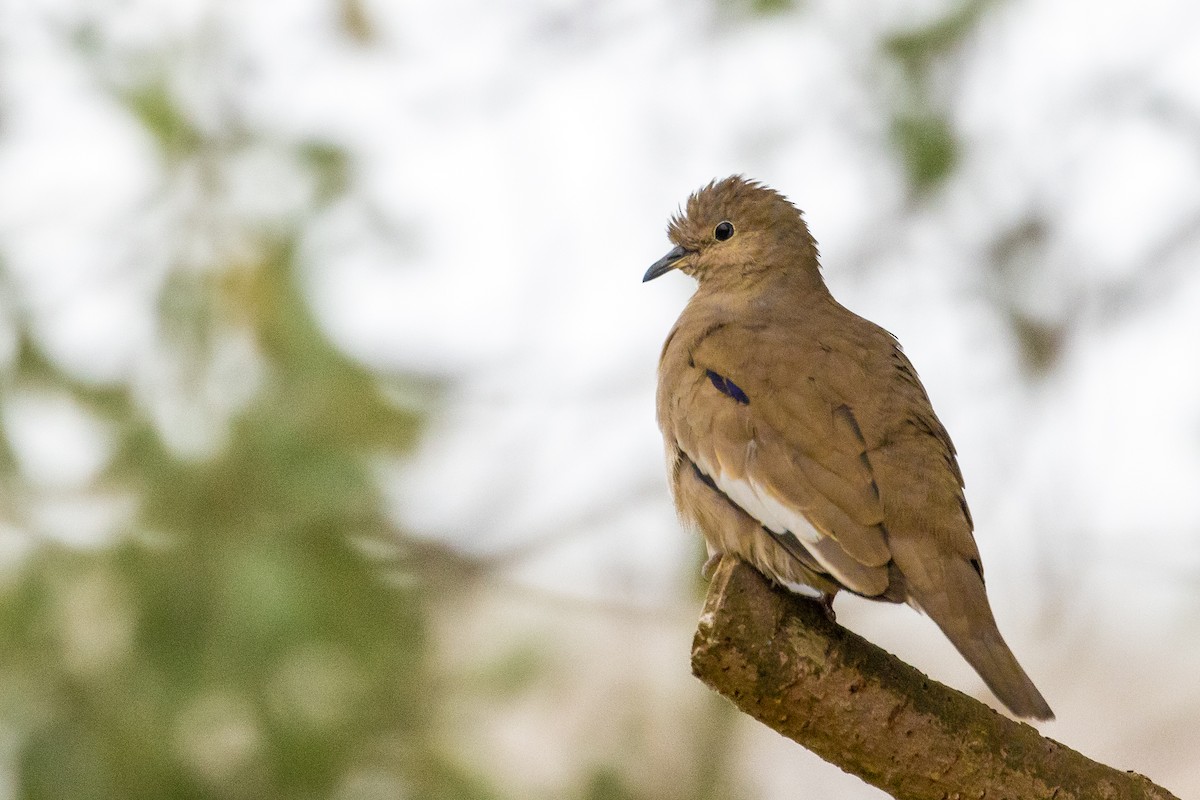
point(736, 231)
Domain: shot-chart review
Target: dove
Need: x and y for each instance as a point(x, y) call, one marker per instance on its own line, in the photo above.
point(800, 439)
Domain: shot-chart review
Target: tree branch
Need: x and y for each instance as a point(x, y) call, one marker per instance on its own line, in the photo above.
point(782, 661)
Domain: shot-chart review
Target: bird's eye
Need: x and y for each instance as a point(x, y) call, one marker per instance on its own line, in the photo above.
point(723, 230)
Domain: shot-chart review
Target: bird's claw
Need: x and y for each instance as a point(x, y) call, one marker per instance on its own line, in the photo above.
point(826, 603)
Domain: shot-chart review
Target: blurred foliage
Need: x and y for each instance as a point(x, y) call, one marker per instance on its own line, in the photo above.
point(152, 106)
point(1040, 342)
point(250, 626)
point(927, 146)
point(1016, 263)
point(930, 150)
point(918, 49)
point(760, 7)
point(236, 640)
point(922, 132)
point(355, 21)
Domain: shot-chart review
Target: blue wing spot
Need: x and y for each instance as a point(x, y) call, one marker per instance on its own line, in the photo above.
point(728, 387)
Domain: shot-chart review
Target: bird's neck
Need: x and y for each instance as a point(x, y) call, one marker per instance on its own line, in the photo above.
point(757, 288)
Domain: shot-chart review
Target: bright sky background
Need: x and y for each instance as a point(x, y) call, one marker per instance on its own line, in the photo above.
point(527, 157)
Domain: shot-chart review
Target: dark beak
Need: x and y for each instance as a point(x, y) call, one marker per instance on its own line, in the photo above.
point(665, 264)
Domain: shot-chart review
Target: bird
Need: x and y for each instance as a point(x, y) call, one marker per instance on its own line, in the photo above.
point(799, 438)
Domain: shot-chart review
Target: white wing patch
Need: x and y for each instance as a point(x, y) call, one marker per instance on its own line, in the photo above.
point(773, 514)
point(804, 590)
point(758, 501)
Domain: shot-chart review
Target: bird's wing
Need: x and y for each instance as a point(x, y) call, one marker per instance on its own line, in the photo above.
point(758, 413)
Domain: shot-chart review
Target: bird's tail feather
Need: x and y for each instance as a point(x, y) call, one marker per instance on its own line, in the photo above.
point(961, 610)
point(996, 664)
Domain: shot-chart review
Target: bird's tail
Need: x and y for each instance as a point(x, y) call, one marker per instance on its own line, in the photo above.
point(960, 608)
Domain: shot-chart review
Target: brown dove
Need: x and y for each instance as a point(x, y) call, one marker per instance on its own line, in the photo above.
point(800, 439)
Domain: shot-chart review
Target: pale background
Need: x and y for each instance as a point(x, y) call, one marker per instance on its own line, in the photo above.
point(1012, 188)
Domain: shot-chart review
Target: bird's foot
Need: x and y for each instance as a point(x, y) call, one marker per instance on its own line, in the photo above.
point(710, 566)
point(826, 603)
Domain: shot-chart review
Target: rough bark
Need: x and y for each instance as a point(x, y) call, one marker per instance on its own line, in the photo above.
point(781, 660)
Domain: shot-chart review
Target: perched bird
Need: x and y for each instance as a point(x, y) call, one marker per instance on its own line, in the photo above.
point(800, 439)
